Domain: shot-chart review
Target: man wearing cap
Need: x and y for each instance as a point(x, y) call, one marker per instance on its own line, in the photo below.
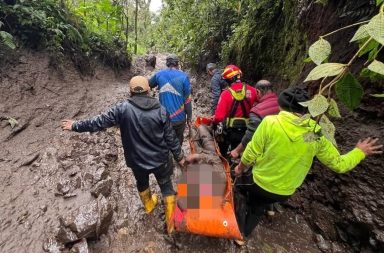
point(267, 105)
point(175, 94)
point(148, 139)
point(280, 158)
point(217, 84)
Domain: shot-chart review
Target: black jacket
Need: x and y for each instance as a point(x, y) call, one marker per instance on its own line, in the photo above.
point(145, 129)
point(217, 86)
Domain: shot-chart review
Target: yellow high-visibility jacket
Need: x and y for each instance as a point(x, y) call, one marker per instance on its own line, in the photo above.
point(281, 158)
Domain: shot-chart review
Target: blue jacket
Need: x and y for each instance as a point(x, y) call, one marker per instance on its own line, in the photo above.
point(146, 132)
point(175, 93)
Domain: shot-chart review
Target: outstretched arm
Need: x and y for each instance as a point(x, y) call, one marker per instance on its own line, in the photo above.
point(97, 123)
point(330, 156)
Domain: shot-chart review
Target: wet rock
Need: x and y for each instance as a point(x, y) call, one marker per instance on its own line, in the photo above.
point(122, 223)
point(44, 208)
point(88, 177)
point(103, 187)
point(24, 215)
point(66, 164)
point(76, 183)
point(91, 220)
point(336, 248)
point(63, 187)
point(150, 60)
point(80, 247)
point(53, 246)
point(69, 195)
point(73, 171)
point(379, 235)
point(323, 220)
point(321, 243)
point(123, 232)
point(101, 173)
point(65, 235)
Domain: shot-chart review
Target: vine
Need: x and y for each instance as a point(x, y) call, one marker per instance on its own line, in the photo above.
point(337, 76)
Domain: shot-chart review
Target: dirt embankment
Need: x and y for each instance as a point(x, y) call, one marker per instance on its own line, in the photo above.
point(48, 174)
point(346, 208)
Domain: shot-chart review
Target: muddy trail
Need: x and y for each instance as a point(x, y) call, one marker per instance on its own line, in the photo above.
point(48, 174)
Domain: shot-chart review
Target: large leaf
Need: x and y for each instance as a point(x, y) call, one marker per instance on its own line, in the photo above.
point(378, 95)
point(328, 129)
point(361, 33)
point(349, 91)
point(377, 67)
point(319, 51)
point(333, 109)
point(324, 70)
point(375, 28)
point(371, 46)
point(7, 39)
point(310, 137)
point(13, 122)
point(318, 105)
point(378, 2)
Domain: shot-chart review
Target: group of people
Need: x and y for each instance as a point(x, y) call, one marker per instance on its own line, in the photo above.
point(253, 123)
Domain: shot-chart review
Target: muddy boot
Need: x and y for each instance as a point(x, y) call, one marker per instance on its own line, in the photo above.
point(169, 203)
point(149, 200)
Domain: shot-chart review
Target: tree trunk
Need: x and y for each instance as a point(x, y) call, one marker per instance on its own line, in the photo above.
point(136, 15)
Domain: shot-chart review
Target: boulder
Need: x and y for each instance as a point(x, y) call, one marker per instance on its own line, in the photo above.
point(91, 220)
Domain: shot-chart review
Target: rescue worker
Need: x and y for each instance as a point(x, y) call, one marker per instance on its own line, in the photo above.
point(175, 94)
point(267, 105)
point(217, 85)
point(233, 109)
point(148, 139)
point(281, 159)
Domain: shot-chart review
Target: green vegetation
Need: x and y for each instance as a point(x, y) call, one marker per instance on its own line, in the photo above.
point(336, 78)
point(240, 32)
point(84, 30)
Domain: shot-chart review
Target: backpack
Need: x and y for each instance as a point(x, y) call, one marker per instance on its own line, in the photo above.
point(239, 98)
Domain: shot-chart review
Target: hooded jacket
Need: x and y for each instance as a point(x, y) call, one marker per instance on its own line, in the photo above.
point(282, 158)
point(145, 129)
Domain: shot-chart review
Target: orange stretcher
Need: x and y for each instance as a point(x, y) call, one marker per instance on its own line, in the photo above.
point(219, 221)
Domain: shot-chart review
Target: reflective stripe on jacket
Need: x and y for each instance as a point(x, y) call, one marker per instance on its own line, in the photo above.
point(226, 101)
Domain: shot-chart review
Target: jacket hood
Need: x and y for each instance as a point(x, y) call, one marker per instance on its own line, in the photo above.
point(144, 102)
point(295, 127)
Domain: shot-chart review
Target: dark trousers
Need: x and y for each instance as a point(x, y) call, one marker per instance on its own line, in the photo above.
point(230, 139)
point(251, 202)
point(179, 128)
point(163, 177)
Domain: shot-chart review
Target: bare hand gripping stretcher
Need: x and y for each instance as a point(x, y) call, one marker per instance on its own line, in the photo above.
point(205, 203)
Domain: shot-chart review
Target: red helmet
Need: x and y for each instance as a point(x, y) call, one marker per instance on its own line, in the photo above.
point(231, 71)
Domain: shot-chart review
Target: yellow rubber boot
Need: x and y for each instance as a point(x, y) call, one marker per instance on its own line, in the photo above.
point(169, 203)
point(149, 200)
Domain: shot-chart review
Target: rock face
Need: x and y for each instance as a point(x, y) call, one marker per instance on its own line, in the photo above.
point(89, 221)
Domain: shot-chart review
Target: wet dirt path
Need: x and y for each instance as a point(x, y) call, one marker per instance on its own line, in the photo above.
point(47, 173)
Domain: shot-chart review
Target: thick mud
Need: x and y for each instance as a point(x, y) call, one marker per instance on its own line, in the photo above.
point(48, 174)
